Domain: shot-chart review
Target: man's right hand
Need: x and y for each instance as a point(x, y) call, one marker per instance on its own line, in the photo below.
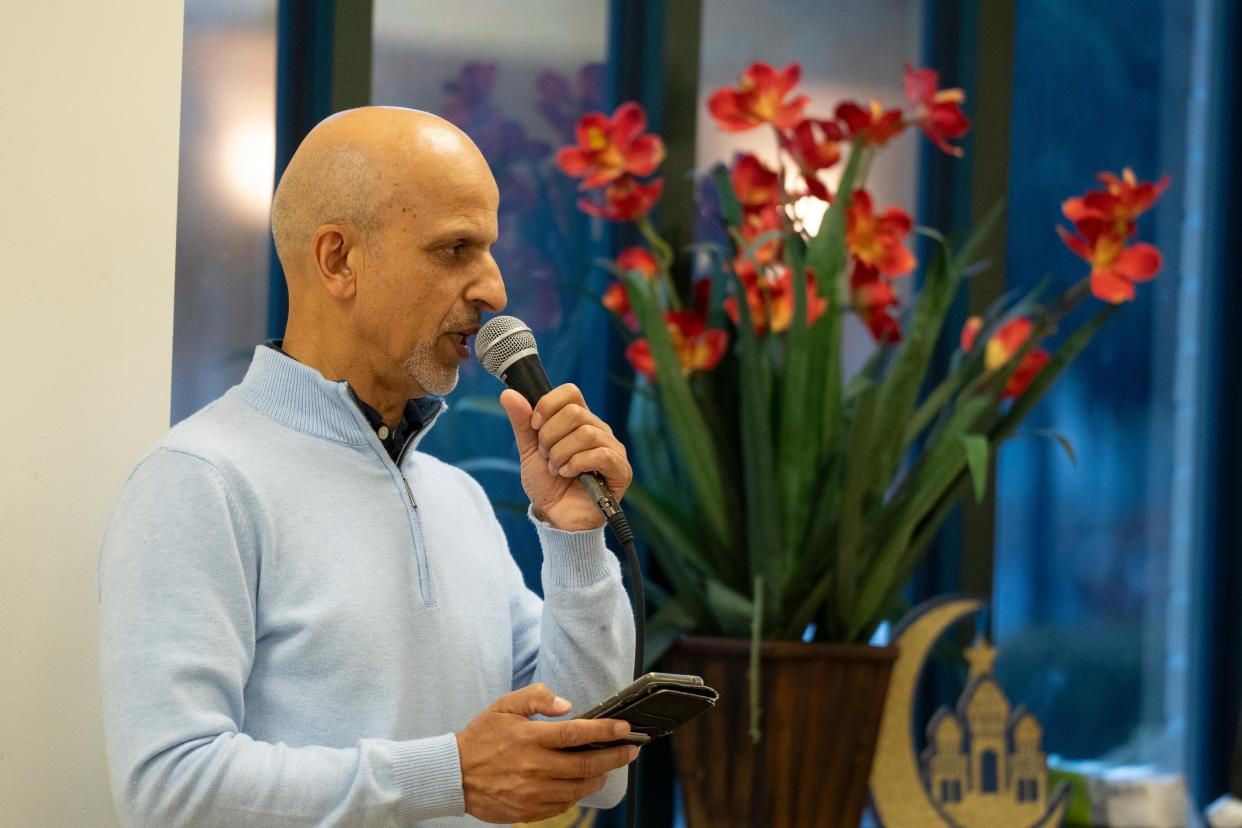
point(514, 769)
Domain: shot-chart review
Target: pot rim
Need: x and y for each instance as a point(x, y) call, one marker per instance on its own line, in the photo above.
point(718, 645)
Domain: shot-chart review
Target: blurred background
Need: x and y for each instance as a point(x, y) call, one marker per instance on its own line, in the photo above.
point(1113, 579)
point(1112, 626)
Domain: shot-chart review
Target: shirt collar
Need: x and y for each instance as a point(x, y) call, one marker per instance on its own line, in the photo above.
point(296, 395)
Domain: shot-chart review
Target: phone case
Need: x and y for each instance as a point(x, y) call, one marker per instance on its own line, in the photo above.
point(654, 705)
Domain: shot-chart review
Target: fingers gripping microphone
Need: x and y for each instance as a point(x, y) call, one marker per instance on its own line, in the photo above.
point(506, 347)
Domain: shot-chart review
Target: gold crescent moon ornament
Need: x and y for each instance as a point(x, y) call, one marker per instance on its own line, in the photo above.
point(983, 767)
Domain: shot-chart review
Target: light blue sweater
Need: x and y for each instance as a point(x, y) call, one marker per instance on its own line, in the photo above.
point(291, 636)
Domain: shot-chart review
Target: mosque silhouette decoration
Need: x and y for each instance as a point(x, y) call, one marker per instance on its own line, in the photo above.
point(983, 765)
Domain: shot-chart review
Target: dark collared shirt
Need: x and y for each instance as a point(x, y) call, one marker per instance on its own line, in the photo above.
point(417, 412)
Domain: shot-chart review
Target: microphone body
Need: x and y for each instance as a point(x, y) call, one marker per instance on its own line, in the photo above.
point(506, 347)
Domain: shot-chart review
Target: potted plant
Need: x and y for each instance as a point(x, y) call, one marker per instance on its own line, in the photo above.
point(788, 504)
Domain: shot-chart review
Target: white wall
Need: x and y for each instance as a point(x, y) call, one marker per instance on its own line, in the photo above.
point(88, 177)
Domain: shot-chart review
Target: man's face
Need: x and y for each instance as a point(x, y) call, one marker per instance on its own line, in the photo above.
point(431, 275)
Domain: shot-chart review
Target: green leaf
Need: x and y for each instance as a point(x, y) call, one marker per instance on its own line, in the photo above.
point(763, 516)
point(732, 610)
point(669, 623)
point(1061, 358)
point(676, 534)
point(730, 207)
point(685, 419)
point(1050, 434)
point(976, 447)
point(859, 465)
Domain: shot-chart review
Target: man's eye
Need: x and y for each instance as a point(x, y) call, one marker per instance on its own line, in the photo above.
point(456, 249)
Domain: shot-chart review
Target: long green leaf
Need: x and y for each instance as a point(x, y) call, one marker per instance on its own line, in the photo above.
point(685, 420)
point(797, 463)
point(826, 255)
point(763, 517)
point(858, 466)
point(733, 610)
point(669, 623)
point(976, 448)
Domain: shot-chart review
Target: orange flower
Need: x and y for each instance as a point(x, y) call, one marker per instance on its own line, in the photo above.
point(937, 111)
point(609, 148)
point(1122, 201)
point(617, 301)
point(770, 298)
point(1001, 348)
point(754, 184)
point(697, 349)
point(876, 240)
point(626, 199)
point(760, 222)
point(872, 296)
point(875, 125)
point(1114, 267)
point(640, 259)
point(815, 146)
point(759, 99)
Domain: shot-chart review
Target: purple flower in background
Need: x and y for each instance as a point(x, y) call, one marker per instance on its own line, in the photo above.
point(563, 106)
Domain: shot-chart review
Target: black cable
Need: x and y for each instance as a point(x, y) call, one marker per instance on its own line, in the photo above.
point(625, 536)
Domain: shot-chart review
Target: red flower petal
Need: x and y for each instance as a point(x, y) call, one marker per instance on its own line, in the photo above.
point(1111, 287)
point(1138, 263)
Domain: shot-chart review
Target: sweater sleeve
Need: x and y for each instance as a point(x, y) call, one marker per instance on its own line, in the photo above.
point(177, 583)
point(580, 639)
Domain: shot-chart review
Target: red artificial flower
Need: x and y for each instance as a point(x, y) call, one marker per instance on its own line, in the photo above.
point(815, 146)
point(770, 297)
point(697, 349)
point(876, 240)
point(609, 148)
point(626, 199)
point(875, 125)
point(1114, 267)
point(754, 184)
point(764, 221)
point(1122, 201)
point(640, 259)
point(872, 296)
point(759, 99)
point(937, 111)
point(1001, 348)
point(617, 301)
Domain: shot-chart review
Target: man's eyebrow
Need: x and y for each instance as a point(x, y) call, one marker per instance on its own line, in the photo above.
point(460, 233)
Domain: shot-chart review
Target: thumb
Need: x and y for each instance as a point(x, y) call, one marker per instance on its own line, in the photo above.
point(535, 698)
point(519, 411)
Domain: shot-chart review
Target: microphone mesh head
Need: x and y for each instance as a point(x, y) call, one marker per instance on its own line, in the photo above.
point(500, 339)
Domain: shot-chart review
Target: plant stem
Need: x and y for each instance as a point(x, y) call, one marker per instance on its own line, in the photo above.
point(665, 252)
point(756, 638)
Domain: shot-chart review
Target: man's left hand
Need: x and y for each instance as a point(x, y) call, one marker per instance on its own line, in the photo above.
point(558, 441)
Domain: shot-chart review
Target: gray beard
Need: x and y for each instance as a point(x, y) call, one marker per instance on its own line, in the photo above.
point(425, 368)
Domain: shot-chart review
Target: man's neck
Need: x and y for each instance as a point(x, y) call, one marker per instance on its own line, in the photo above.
point(385, 398)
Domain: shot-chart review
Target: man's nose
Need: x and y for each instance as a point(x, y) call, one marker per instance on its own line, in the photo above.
point(489, 290)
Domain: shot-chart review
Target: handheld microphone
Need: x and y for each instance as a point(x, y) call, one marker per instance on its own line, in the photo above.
point(506, 348)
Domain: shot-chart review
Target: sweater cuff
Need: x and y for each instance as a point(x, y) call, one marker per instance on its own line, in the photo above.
point(428, 774)
point(572, 559)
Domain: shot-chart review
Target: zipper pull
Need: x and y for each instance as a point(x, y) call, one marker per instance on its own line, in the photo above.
point(409, 491)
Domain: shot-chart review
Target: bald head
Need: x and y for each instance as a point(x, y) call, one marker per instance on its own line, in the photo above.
point(354, 167)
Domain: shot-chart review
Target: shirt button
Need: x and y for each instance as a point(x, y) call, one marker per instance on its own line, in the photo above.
point(383, 432)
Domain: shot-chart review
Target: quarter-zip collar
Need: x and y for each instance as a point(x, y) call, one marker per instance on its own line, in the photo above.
point(298, 396)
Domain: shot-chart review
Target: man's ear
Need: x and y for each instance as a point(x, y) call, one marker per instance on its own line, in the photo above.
point(335, 246)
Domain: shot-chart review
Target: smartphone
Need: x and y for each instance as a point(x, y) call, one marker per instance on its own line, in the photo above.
point(654, 704)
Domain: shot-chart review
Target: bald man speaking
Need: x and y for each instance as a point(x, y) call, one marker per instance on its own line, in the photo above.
point(304, 620)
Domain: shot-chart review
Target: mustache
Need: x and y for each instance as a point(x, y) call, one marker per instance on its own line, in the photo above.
point(472, 321)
